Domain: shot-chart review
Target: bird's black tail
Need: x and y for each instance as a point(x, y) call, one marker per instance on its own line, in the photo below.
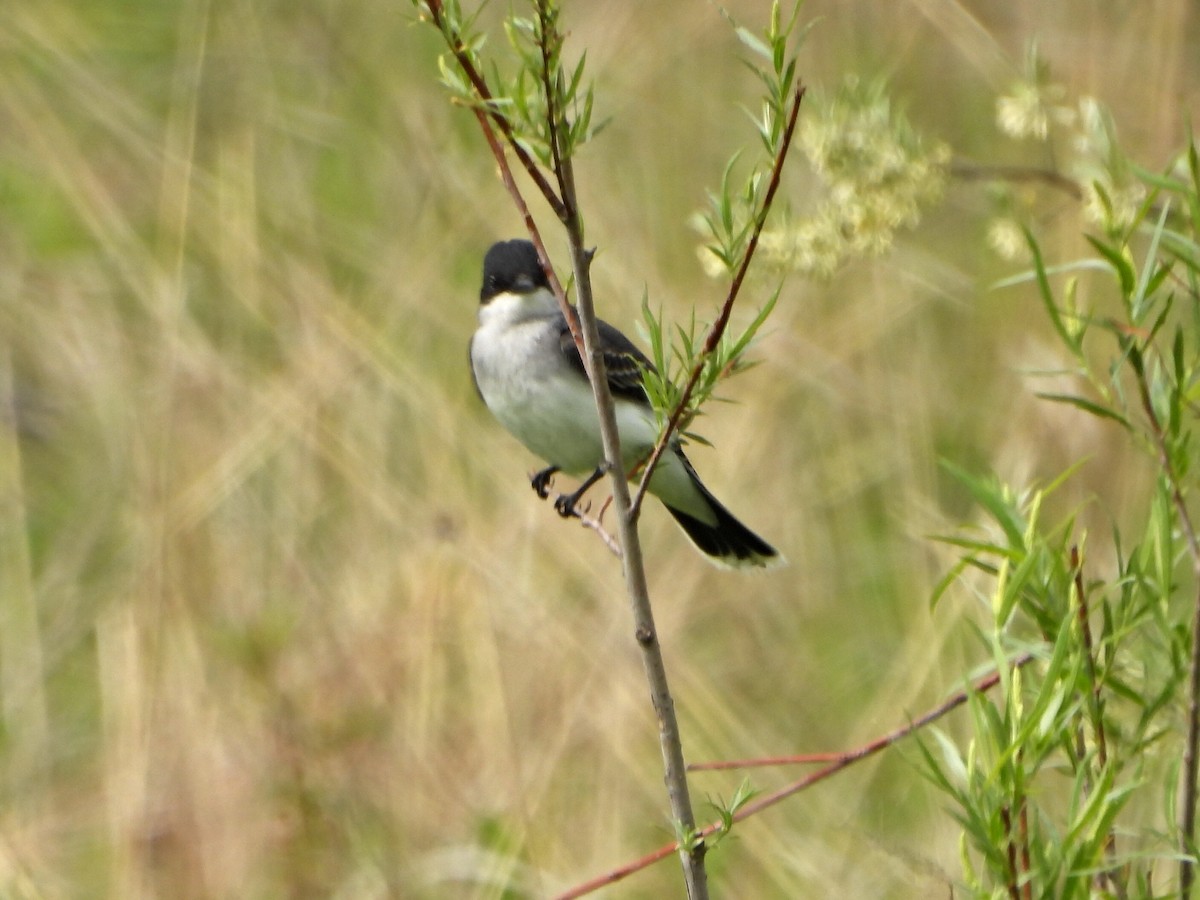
point(727, 543)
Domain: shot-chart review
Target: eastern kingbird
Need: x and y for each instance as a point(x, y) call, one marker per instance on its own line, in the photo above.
point(529, 372)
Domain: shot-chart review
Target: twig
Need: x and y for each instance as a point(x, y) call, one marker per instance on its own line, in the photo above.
point(1191, 752)
point(510, 184)
point(792, 759)
point(841, 761)
point(1027, 890)
point(553, 114)
point(485, 111)
point(1010, 854)
point(975, 172)
point(1096, 712)
point(455, 42)
point(585, 332)
point(715, 332)
point(506, 176)
point(596, 525)
point(645, 632)
point(1095, 707)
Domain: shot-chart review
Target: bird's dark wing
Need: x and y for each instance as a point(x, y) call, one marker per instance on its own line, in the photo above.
point(623, 360)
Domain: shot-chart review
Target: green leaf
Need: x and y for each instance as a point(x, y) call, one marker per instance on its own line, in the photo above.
point(1183, 249)
point(1119, 264)
point(1047, 294)
point(945, 581)
point(1142, 294)
point(988, 495)
point(576, 77)
point(975, 546)
point(451, 77)
point(743, 341)
point(1193, 195)
point(1090, 406)
point(753, 41)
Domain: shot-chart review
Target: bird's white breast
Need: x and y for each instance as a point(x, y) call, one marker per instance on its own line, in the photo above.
point(538, 396)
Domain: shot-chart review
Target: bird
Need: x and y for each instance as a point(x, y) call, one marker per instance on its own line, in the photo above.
point(530, 375)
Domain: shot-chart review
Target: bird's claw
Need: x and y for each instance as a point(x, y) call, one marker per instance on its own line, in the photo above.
point(564, 505)
point(542, 480)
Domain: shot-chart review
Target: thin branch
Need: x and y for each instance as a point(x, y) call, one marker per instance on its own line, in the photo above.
point(762, 762)
point(974, 172)
point(488, 102)
point(645, 632)
point(1010, 854)
point(595, 524)
point(1191, 758)
point(552, 112)
point(1025, 855)
point(510, 184)
point(567, 212)
point(585, 332)
point(1191, 752)
point(670, 738)
point(841, 761)
point(717, 330)
point(506, 176)
point(1095, 711)
point(1095, 706)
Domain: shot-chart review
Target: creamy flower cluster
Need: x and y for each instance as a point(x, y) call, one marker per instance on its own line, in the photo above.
point(875, 173)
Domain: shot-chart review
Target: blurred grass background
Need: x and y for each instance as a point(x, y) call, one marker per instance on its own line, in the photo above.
point(279, 614)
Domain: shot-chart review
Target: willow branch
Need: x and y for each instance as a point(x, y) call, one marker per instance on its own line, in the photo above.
point(717, 330)
point(487, 102)
point(535, 236)
point(969, 171)
point(553, 114)
point(1095, 704)
point(841, 761)
point(1191, 751)
point(636, 586)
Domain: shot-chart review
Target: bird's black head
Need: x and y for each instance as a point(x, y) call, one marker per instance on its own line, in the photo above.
point(511, 266)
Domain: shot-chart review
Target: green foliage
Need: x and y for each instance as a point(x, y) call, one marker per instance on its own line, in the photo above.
point(875, 173)
point(543, 107)
point(547, 107)
point(674, 359)
point(736, 207)
point(537, 42)
point(733, 223)
point(1091, 720)
point(728, 811)
point(268, 616)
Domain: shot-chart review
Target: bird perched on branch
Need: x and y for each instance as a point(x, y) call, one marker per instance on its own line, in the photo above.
point(529, 372)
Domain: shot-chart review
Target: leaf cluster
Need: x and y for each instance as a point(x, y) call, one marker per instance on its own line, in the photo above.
point(1094, 727)
point(690, 362)
point(674, 359)
point(736, 206)
point(521, 97)
point(566, 117)
point(1079, 730)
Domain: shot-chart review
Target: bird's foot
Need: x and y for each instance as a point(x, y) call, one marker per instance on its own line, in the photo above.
point(541, 481)
point(565, 504)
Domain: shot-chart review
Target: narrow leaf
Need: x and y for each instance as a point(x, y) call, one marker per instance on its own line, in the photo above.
point(1090, 406)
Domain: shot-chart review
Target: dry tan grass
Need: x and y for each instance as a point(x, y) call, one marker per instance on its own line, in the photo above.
point(280, 615)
